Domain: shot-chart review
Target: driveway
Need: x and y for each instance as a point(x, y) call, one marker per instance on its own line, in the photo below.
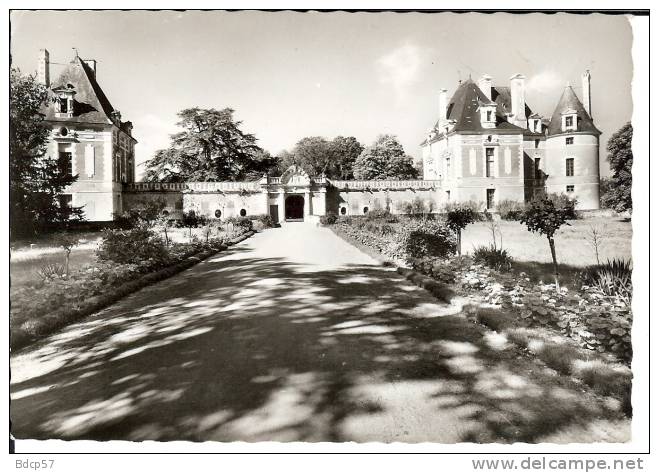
point(293, 335)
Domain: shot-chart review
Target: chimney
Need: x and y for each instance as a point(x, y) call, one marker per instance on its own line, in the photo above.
point(43, 69)
point(517, 100)
point(91, 63)
point(585, 87)
point(485, 84)
point(442, 105)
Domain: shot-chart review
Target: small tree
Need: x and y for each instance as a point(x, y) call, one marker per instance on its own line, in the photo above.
point(164, 223)
point(67, 242)
point(457, 220)
point(595, 236)
point(543, 217)
point(191, 220)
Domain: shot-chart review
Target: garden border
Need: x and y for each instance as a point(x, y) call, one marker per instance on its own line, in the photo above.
point(608, 379)
point(50, 323)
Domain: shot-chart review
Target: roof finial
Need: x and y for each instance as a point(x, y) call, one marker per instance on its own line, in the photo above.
point(76, 50)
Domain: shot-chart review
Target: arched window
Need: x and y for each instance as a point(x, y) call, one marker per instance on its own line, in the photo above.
point(218, 213)
point(165, 213)
point(243, 212)
point(365, 210)
point(343, 210)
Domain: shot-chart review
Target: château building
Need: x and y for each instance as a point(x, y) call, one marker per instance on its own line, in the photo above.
point(88, 137)
point(488, 145)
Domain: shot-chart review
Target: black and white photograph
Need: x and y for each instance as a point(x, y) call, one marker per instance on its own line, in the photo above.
point(325, 228)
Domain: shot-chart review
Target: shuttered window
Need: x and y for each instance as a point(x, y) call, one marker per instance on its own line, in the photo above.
point(90, 160)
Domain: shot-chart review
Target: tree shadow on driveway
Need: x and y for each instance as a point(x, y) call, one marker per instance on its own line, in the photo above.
point(239, 348)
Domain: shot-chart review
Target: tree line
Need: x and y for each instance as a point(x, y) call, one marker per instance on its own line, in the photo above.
point(212, 147)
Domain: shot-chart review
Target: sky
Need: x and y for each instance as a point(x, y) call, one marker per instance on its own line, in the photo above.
point(289, 75)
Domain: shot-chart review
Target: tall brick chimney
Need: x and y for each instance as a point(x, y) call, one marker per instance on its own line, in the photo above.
point(485, 84)
point(443, 99)
point(43, 67)
point(585, 90)
point(518, 100)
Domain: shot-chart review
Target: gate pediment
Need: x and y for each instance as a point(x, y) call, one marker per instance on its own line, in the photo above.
point(295, 176)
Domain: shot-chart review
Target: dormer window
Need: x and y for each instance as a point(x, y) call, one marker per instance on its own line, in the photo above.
point(488, 115)
point(569, 120)
point(64, 100)
point(535, 125)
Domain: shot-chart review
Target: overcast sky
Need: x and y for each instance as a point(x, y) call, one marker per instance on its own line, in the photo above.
point(290, 75)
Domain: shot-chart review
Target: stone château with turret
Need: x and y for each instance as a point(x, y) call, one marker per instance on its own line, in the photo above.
point(486, 146)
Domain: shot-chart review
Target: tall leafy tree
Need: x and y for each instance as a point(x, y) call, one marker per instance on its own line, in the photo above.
point(317, 155)
point(211, 147)
point(618, 196)
point(314, 155)
point(384, 159)
point(344, 150)
point(36, 179)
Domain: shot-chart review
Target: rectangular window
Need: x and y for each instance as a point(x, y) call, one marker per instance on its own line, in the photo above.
point(490, 199)
point(66, 163)
point(569, 167)
point(569, 189)
point(569, 140)
point(489, 161)
point(448, 168)
point(537, 143)
point(489, 115)
point(536, 168)
point(568, 121)
point(63, 105)
point(448, 196)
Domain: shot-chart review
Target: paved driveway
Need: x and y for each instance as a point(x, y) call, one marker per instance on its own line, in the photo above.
point(292, 335)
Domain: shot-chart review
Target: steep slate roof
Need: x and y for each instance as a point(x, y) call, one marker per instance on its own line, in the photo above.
point(91, 105)
point(569, 100)
point(463, 108)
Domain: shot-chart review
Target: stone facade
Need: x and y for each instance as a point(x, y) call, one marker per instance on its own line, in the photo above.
point(295, 196)
point(488, 145)
point(88, 138)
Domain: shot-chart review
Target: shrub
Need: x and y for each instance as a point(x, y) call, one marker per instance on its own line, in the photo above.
point(132, 246)
point(51, 270)
point(265, 220)
point(493, 257)
point(476, 207)
point(329, 219)
point(428, 238)
point(510, 209)
point(380, 214)
point(613, 278)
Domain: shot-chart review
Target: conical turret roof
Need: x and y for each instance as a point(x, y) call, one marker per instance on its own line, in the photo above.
point(570, 101)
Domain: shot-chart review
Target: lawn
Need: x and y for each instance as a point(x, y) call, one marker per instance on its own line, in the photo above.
point(28, 257)
point(531, 251)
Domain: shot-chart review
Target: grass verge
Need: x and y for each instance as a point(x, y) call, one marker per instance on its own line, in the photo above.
point(29, 332)
point(604, 376)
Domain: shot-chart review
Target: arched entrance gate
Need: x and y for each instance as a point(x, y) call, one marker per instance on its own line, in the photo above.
point(294, 208)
